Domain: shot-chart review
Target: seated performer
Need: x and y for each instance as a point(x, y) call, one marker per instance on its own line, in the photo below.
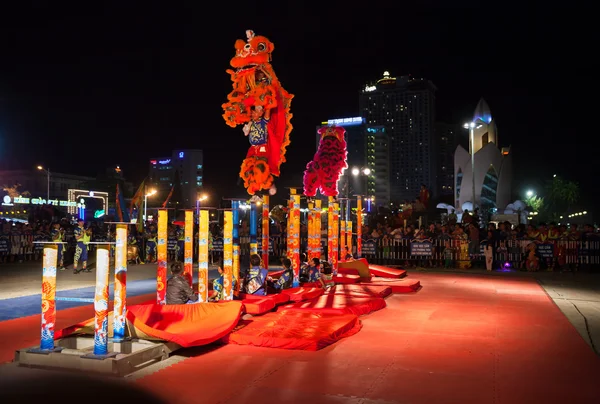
point(255, 277)
point(314, 270)
point(286, 279)
point(326, 277)
point(304, 267)
point(348, 255)
point(179, 290)
point(218, 289)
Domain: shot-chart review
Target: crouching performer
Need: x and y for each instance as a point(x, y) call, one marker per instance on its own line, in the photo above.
point(286, 279)
point(218, 289)
point(255, 280)
point(179, 290)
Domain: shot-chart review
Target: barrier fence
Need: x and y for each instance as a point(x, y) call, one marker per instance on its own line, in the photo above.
point(438, 252)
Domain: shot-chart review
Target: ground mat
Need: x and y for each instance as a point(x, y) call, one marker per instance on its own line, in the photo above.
point(361, 290)
point(386, 272)
point(294, 330)
point(258, 306)
point(356, 267)
point(346, 278)
point(186, 324)
point(397, 285)
point(278, 298)
point(302, 293)
point(339, 304)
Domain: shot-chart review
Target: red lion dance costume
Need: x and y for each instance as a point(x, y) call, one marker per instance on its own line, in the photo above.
point(324, 171)
point(259, 102)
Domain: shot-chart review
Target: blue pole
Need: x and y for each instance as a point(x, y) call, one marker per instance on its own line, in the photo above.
point(253, 224)
point(235, 209)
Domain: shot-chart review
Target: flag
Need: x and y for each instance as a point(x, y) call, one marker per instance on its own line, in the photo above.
point(164, 205)
point(136, 202)
point(122, 213)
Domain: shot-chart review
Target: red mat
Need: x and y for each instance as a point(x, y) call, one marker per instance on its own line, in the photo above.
point(348, 271)
point(278, 298)
point(258, 306)
point(294, 330)
point(397, 285)
point(302, 293)
point(339, 304)
point(361, 290)
point(346, 278)
point(186, 324)
point(386, 272)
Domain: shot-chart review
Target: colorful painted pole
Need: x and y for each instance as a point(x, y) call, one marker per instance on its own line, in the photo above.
point(335, 238)
point(330, 224)
point(235, 236)
point(288, 225)
point(311, 230)
point(48, 296)
point(120, 298)
point(265, 231)
point(161, 251)
point(253, 229)
point(203, 236)
point(188, 246)
point(318, 246)
point(342, 239)
point(359, 226)
point(294, 246)
point(228, 255)
point(349, 236)
point(101, 300)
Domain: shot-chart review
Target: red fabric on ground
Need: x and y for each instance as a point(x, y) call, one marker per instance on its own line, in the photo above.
point(397, 285)
point(360, 265)
point(386, 272)
point(346, 278)
point(258, 306)
point(360, 290)
point(339, 304)
point(278, 298)
point(294, 330)
point(302, 293)
point(186, 324)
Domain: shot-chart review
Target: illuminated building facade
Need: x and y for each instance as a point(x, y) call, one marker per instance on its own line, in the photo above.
point(185, 166)
point(493, 166)
point(405, 107)
point(367, 148)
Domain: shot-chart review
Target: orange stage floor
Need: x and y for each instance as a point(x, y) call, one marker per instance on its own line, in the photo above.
point(461, 339)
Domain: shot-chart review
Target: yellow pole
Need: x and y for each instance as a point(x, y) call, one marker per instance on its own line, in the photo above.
point(349, 236)
point(342, 239)
point(188, 247)
point(228, 255)
point(318, 229)
point(203, 257)
point(311, 230)
point(334, 241)
point(294, 225)
point(48, 296)
point(359, 227)
point(120, 283)
point(330, 225)
point(161, 251)
point(265, 231)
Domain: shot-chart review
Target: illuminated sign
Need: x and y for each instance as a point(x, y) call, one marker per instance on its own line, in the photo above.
point(98, 214)
point(181, 155)
point(153, 162)
point(346, 121)
point(18, 200)
point(163, 162)
point(369, 89)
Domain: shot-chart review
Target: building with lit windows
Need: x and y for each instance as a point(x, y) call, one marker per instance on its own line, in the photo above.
point(493, 166)
point(405, 107)
point(447, 138)
point(184, 166)
point(367, 148)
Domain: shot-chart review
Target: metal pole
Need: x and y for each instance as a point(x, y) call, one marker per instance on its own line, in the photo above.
point(48, 195)
point(472, 138)
point(145, 206)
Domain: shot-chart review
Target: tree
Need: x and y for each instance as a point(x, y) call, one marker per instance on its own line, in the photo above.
point(536, 203)
point(561, 195)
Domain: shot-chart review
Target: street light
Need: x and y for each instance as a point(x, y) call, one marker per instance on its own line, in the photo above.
point(529, 193)
point(47, 171)
point(471, 127)
point(203, 197)
point(355, 172)
point(152, 192)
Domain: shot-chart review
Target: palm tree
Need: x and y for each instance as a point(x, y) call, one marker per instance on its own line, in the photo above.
point(562, 194)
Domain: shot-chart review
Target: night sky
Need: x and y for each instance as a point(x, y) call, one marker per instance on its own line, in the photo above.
point(83, 89)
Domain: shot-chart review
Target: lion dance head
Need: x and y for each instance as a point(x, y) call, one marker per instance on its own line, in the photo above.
point(326, 167)
point(259, 103)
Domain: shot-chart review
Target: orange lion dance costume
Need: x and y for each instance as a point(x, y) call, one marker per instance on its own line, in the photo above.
point(260, 103)
point(324, 171)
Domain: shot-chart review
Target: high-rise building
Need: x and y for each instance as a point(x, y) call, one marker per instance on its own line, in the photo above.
point(185, 166)
point(405, 107)
point(447, 136)
point(364, 143)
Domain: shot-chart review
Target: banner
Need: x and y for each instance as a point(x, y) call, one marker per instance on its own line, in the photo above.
point(203, 236)
point(421, 248)
point(122, 214)
point(161, 250)
point(188, 246)
point(228, 255)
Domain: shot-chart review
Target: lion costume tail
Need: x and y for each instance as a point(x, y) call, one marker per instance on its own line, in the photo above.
point(256, 174)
